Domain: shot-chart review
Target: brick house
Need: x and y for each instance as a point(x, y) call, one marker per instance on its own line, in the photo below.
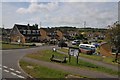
point(50, 33)
point(25, 33)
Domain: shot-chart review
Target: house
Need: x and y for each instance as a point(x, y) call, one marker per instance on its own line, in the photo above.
point(25, 33)
point(105, 49)
point(48, 34)
point(5, 34)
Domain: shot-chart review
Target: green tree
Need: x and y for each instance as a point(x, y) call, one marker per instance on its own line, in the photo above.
point(113, 37)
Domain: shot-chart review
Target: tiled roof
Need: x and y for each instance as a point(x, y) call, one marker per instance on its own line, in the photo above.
point(26, 27)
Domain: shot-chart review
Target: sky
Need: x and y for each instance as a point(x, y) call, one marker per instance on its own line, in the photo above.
point(52, 13)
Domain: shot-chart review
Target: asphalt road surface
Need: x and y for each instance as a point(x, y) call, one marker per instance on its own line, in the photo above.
point(9, 68)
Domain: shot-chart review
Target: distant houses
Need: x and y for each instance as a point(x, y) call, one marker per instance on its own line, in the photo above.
point(31, 33)
point(48, 34)
point(25, 33)
point(28, 33)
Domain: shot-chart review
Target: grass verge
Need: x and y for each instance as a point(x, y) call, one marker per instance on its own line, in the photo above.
point(93, 57)
point(46, 54)
point(38, 71)
point(12, 46)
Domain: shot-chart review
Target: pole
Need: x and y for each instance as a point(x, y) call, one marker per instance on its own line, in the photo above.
point(77, 59)
point(84, 24)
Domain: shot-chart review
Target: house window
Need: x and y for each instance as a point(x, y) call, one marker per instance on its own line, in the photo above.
point(24, 31)
point(37, 31)
point(33, 31)
point(28, 31)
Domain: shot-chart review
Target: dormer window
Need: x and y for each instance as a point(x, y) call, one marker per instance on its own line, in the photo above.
point(37, 31)
point(33, 31)
point(24, 31)
point(28, 31)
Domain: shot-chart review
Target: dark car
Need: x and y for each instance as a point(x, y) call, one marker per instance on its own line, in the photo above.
point(62, 44)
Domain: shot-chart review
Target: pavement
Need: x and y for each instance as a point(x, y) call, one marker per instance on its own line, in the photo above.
point(71, 69)
point(10, 68)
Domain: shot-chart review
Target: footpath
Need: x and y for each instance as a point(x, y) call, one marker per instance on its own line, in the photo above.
point(71, 69)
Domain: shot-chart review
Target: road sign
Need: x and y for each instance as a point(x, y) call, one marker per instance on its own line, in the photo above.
point(73, 52)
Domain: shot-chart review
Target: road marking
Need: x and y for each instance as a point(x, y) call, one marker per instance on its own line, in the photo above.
point(5, 66)
point(20, 76)
point(11, 69)
point(18, 72)
point(6, 70)
point(13, 73)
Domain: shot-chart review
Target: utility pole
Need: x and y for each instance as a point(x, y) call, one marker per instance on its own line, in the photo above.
point(84, 24)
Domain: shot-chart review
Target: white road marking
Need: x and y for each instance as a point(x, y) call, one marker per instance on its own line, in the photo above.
point(20, 76)
point(11, 69)
point(6, 70)
point(13, 73)
point(18, 72)
point(5, 66)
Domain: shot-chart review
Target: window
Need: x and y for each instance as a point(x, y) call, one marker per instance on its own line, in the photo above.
point(33, 31)
point(28, 31)
point(38, 32)
point(24, 31)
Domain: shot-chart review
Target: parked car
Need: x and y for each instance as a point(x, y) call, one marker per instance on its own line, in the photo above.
point(62, 44)
point(87, 48)
point(75, 42)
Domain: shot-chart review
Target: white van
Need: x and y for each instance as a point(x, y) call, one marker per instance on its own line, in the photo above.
point(87, 48)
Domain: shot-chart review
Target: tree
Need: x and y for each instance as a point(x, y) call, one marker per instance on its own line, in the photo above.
point(113, 37)
point(80, 36)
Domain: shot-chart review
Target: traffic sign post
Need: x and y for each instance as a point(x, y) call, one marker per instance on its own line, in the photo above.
point(73, 52)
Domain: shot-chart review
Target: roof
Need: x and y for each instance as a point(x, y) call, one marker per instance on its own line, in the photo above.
point(49, 30)
point(28, 30)
point(26, 27)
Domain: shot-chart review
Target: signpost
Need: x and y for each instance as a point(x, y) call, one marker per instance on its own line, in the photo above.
point(73, 52)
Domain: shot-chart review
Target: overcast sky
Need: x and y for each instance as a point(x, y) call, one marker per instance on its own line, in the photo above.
point(56, 13)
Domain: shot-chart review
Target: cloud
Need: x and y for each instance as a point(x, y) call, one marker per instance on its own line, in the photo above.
point(96, 14)
point(35, 7)
point(77, 13)
point(60, 0)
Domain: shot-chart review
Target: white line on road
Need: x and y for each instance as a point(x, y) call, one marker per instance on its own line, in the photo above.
point(20, 76)
point(13, 73)
point(11, 69)
point(5, 66)
point(18, 72)
point(6, 70)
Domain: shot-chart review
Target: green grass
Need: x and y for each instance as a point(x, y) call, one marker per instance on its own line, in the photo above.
point(93, 57)
point(46, 54)
point(12, 46)
point(39, 71)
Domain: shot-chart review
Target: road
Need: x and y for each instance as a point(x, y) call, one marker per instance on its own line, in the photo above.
point(10, 62)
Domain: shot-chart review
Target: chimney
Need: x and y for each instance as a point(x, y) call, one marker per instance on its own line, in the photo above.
point(28, 26)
